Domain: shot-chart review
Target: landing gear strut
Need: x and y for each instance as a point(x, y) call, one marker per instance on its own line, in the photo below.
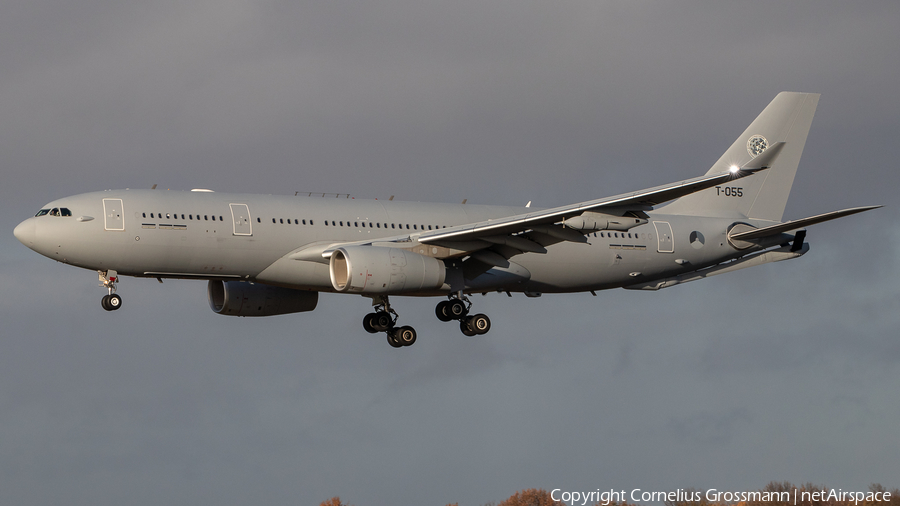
point(384, 319)
point(109, 279)
point(457, 308)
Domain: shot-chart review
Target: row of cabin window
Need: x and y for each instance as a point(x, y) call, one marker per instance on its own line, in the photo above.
point(175, 216)
point(355, 224)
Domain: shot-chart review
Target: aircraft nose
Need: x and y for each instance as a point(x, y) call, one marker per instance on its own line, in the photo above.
point(24, 232)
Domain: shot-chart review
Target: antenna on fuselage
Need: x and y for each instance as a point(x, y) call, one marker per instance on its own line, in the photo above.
point(153, 187)
point(464, 201)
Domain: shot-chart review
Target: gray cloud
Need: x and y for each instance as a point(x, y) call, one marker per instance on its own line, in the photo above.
point(784, 372)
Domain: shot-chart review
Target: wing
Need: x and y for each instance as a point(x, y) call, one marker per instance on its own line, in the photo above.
point(544, 226)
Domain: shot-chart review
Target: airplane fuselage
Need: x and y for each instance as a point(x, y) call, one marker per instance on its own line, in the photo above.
point(211, 235)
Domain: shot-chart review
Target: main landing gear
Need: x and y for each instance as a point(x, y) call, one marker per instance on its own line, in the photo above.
point(384, 319)
point(109, 279)
point(457, 308)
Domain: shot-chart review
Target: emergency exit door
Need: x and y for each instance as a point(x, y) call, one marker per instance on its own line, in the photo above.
point(665, 241)
point(240, 216)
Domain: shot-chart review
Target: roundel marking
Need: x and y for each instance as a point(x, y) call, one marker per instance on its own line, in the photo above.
point(756, 145)
point(697, 240)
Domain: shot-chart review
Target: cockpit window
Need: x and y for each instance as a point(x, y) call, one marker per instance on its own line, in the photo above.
point(56, 211)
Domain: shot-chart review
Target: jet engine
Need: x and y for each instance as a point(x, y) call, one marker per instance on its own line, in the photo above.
point(377, 269)
point(240, 298)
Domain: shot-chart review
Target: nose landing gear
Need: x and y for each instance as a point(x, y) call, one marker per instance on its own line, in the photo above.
point(109, 279)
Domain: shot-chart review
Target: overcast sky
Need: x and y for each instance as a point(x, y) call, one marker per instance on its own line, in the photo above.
point(788, 371)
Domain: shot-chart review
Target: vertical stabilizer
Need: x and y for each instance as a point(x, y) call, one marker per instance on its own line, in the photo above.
point(762, 196)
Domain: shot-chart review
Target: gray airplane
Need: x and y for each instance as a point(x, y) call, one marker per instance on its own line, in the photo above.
point(267, 255)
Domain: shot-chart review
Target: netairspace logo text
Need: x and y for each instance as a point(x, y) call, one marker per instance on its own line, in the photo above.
point(606, 497)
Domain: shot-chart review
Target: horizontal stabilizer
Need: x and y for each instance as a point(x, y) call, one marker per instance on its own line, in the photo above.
point(795, 224)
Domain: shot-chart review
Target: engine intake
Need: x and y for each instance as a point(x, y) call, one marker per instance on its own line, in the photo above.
point(377, 269)
point(240, 298)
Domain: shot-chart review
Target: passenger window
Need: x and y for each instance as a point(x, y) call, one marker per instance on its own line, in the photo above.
point(190, 216)
point(206, 217)
point(429, 227)
point(296, 221)
point(281, 220)
point(304, 222)
point(258, 219)
point(144, 215)
point(355, 224)
point(311, 222)
point(182, 216)
point(407, 226)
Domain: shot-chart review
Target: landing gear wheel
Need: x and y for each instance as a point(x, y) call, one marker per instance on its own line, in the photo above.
point(405, 335)
point(105, 303)
point(464, 328)
point(367, 323)
point(381, 321)
point(480, 323)
point(442, 311)
point(457, 309)
point(392, 340)
point(114, 302)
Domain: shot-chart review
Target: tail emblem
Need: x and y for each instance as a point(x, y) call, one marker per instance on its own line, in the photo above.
point(756, 145)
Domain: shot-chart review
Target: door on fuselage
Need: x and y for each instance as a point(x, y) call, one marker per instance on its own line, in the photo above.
point(240, 216)
point(113, 215)
point(665, 241)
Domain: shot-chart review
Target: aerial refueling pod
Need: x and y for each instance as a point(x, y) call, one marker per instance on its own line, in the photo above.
point(590, 221)
point(378, 269)
point(240, 298)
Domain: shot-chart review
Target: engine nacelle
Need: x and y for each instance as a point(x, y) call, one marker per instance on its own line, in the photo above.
point(378, 269)
point(239, 298)
point(590, 221)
